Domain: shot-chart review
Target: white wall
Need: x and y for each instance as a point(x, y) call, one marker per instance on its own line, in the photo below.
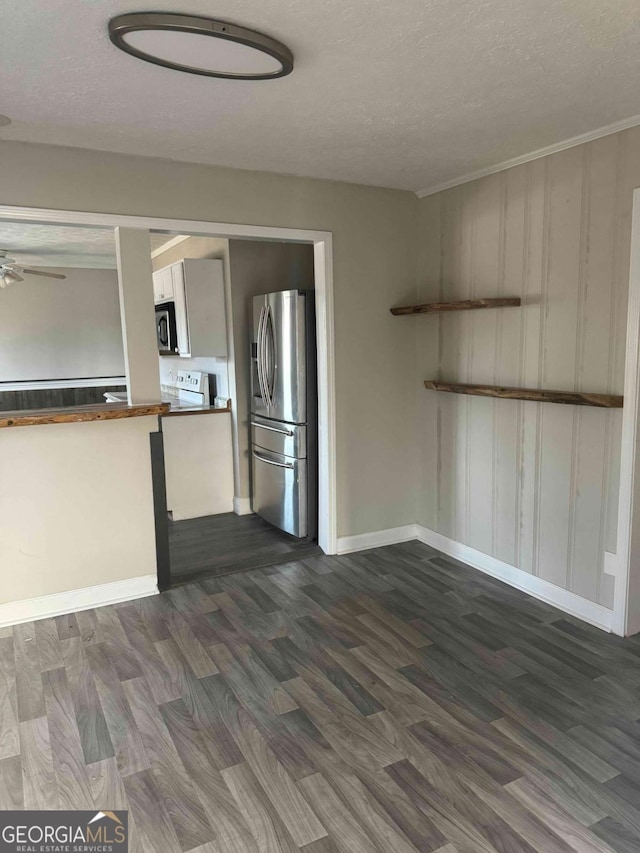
point(53, 329)
point(135, 283)
point(535, 485)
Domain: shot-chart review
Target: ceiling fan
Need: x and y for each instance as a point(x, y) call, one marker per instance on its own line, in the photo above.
point(11, 272)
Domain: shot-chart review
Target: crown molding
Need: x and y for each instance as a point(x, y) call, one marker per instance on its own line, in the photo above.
point(616, 127)
point(174, 241)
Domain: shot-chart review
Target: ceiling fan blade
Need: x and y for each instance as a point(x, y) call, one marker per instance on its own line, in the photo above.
point(45, 274)
point(9, 277)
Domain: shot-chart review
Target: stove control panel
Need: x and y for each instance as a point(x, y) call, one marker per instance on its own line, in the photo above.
point(195, 382)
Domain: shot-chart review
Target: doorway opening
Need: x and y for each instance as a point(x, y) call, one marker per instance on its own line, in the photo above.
point(237, 343)
point(318, 246)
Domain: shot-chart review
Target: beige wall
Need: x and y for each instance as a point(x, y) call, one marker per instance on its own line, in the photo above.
point(533, 485)
point(374, 267)
point(61, 329)
point(76, 507)
point(135, 283)
point(258, 267)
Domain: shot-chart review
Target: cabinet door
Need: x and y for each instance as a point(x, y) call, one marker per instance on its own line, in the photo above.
point(157, 286)
point(198, 458)
point(163, 285)
point(204, 288)
point(180, 302)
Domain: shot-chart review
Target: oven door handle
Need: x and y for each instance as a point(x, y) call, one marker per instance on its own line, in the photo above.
point(271, 462)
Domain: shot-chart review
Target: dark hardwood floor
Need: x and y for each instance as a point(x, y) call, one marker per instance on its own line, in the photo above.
point(390, 701)
point(220, 544)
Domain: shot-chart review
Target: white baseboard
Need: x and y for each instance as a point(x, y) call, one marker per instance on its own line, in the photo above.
point(186, 513)
point(362, 541)
point(569, 602)
point(58, 603)
point(242, 506)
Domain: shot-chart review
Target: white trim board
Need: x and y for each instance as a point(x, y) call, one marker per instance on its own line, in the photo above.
point(363, 541)
point(569, 602)
point(174, 241)
point(193, 227)
point(323, 270)
point(58, 603)
point(589, 136)
point(242, 506)
point(626, 603)
point(563, 599)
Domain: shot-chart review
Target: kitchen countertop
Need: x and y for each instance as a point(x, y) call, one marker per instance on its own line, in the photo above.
point(80, 414)
point(178, 408)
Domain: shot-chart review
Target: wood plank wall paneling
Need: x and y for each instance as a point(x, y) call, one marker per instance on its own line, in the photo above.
point(535, 486)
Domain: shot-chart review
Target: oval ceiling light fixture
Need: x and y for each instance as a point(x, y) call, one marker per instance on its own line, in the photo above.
point(201, 45)
point(5, 121)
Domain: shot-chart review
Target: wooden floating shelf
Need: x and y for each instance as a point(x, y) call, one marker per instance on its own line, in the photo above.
point(462, 305)
point(571, 398)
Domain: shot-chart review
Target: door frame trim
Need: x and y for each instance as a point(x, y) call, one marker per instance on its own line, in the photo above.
point(325, 333)
point(626, 601)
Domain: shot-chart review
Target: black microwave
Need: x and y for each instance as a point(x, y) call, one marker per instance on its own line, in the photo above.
point(166, 329)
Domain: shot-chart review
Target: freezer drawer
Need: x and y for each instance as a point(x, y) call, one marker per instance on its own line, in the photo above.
point(280, 490)
point(285, 439)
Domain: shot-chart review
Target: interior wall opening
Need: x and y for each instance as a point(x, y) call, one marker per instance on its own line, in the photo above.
point(240, 482)
point(209, 459)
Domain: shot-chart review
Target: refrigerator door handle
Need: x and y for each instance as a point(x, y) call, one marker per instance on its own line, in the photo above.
point(272, 429)
point(271, 462)
point(264, 359)
point(269, 348)
point(260, 352)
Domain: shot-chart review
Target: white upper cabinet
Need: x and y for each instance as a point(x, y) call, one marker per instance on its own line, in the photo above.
point(197, 289)
point(162, 285)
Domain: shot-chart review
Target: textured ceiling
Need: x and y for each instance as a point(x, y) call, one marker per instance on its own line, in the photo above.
point(405, 94)
point(63, 246)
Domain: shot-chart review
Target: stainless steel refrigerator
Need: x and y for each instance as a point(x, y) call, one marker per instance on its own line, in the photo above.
point(283, 411)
